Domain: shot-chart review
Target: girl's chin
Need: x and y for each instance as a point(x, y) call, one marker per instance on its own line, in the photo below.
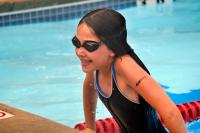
point(87, 69)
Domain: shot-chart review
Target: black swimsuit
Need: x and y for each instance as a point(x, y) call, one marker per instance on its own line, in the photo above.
point(131, 117)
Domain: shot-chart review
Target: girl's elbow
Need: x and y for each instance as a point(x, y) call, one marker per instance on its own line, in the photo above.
point(174, 121)
point(174, 115)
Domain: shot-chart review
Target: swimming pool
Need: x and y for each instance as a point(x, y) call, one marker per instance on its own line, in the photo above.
point(41, 74)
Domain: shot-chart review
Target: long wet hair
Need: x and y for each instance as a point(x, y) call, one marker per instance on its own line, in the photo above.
point(110, 27)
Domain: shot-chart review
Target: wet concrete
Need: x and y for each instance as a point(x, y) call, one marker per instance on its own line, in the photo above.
point(25, 122)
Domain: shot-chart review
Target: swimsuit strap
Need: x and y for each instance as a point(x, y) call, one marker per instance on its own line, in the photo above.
point(113, 70)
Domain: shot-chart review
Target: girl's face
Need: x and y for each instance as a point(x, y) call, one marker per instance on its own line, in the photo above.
point(97, 59)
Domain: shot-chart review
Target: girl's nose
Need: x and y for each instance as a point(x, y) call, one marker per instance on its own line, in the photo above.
point(80, 51)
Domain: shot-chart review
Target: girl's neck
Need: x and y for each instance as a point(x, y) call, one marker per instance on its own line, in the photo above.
point(106, 69)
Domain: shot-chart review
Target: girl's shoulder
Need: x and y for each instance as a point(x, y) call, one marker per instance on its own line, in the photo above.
point(124, 62)
point(126, 65)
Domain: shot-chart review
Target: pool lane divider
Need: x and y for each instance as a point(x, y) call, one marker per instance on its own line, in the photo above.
point(13, 120)
point(190, 112)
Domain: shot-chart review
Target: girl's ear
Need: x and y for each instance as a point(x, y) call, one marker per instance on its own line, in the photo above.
point(112, 54)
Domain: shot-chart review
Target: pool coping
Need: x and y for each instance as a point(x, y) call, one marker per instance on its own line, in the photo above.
point(26, 122)
point(60, 12)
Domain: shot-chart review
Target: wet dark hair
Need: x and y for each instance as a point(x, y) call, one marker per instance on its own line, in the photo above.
point(110, 26)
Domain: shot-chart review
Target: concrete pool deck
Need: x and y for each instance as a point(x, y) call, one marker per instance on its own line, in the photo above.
point(19, 121)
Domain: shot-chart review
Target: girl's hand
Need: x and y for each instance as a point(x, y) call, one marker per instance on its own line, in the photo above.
point(87, 130)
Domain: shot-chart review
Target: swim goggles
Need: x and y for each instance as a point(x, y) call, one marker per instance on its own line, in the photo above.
point(89, 45)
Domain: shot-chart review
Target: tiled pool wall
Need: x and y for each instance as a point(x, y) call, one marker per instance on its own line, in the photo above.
point(61, 12)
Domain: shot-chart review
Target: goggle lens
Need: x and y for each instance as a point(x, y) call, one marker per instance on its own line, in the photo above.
point(89, 45)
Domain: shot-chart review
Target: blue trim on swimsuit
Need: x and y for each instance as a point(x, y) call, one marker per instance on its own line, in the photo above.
point(97, 80)
point(98, 86)
point(113, 71)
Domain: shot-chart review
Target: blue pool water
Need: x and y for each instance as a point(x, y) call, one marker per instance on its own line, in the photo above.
point(40, 73)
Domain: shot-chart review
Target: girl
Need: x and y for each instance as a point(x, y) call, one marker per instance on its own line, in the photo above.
point(121, 80)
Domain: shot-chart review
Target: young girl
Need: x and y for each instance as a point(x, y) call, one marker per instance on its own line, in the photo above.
point(118, 76)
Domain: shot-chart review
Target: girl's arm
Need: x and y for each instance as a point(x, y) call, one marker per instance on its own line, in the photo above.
point(89, 102)
point(150, 90)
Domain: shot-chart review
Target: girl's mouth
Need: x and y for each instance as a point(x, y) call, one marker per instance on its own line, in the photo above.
point(85, 62)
